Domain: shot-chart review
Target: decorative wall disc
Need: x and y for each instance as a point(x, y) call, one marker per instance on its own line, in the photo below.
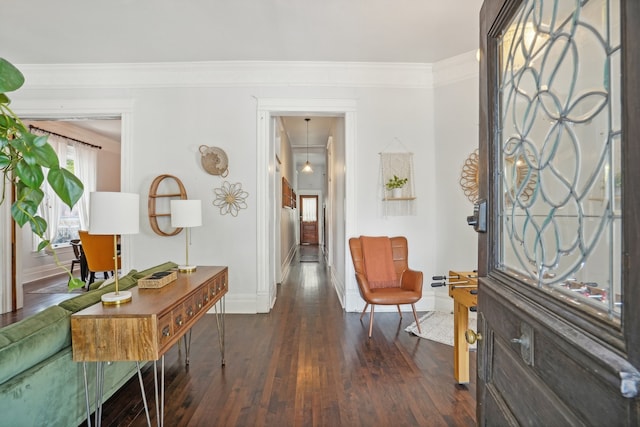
point(214, 160)
point(230, 198)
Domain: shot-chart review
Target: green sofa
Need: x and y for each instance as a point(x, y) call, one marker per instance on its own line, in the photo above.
point(40, 384)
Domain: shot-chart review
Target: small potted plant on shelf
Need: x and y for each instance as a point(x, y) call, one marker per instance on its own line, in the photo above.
point(395, 185)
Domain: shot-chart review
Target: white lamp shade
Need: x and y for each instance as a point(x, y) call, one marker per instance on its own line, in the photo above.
point(186, 213)
point(114, 213)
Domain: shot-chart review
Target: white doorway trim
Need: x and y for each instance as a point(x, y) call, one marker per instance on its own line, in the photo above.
point(267, 108)
point(67, 109)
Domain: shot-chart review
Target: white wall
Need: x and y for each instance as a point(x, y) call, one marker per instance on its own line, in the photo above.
point(456, 135)
point(288, 216)
point(406, 115)
point(336, 258)
point(177, 108)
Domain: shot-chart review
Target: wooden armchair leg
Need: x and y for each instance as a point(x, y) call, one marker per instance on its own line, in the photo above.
point(364, 311)
point(415, 316)
point(371, 321)
point(399, 312)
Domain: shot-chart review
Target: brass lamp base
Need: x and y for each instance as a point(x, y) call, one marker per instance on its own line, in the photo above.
point(186, 268)
point(116, 298)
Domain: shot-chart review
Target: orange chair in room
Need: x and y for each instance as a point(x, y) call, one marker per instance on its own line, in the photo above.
point(98, 250)
point(383, 274)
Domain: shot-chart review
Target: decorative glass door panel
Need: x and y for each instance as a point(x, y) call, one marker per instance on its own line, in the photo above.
point(560, 148)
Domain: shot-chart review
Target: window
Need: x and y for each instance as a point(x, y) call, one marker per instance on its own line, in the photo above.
point(81, 159)
point(62, 222)
point(561, 218)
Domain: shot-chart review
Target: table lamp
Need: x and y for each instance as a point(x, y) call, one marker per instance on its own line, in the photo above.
point(187, 214)
point(114, 214)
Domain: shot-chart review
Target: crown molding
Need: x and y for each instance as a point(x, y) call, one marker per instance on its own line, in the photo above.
point(227, 74)
point(456, 69)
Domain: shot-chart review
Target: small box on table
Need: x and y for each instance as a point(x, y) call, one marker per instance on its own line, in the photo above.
point(157, 280)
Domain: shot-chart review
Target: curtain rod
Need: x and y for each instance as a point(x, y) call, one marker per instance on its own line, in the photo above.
point(66, 137)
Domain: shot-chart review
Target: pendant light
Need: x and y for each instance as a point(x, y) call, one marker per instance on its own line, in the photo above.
point(307, 166)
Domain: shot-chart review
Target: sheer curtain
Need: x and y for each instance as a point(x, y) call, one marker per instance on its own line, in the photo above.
point(85, 161)
point(50, 208)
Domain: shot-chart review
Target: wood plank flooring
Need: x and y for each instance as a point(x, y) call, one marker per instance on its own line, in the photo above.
point(307, 363)
point(35, 301)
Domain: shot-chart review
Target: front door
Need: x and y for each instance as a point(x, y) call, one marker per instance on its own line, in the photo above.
point(308, 220)
point(559, 260)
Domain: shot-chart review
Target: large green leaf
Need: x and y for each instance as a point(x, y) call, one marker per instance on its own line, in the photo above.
point(10, 77)
point(31, 175)
point(4, 161)
point(22, 212)
point(66, 185)
point(28, 206)
point(75, 283)
point(35, 150)
point(20, 145)
point(46, 156)
point(28, 194)
point(38, 225)
point(43, 244)
point(39, 141)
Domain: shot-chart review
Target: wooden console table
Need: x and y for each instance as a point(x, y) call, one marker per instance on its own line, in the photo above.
point(146, 328)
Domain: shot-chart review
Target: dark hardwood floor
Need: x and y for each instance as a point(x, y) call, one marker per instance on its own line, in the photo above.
point(307, 363)
point(36, 298)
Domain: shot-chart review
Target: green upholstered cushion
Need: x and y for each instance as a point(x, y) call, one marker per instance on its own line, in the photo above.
point(32, 340)
point(162, 267)
point(4, 341)
point(96, 284)
point(51, 393)
point(86, 300)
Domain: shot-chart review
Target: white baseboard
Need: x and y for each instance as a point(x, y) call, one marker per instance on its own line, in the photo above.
point(338, 285)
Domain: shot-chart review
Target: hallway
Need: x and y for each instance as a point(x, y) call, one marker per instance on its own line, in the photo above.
point(305, 363)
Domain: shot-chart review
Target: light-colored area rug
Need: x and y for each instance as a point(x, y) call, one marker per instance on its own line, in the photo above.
point(438, 326)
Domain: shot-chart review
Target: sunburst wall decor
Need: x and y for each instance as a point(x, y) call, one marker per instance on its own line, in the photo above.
point(230, 198)
point(469, 177)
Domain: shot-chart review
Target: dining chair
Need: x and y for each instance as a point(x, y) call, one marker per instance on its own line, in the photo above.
point(98, 251)
point(77, 248)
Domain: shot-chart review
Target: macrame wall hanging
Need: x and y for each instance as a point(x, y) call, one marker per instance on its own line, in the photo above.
point(397, 184)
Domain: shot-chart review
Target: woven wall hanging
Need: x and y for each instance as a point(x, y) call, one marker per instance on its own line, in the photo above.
point(214, 160)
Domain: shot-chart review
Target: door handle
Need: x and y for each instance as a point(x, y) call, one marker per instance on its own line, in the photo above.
point(525, 341)
point(471, 336)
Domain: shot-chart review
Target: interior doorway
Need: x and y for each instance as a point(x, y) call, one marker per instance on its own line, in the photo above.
point(104, 135)
point(340, 193)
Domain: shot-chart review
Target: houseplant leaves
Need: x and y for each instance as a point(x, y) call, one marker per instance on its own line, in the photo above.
point(25, 160)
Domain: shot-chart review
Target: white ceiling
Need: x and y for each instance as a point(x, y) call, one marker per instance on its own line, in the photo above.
point(146, 31)
point(319, 131)
point(128, 31)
